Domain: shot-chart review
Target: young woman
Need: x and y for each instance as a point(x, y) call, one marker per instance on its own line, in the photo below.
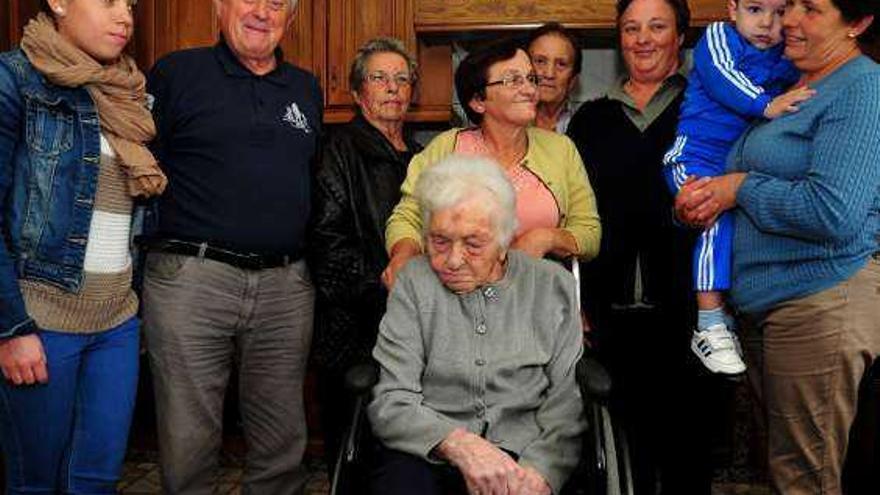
point(73, 123)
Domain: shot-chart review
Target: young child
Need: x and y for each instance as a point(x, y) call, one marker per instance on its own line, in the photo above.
point(738, 73)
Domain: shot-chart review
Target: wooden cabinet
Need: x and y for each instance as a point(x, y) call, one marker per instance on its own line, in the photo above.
point(5, 38)
point(163, 26)
point(460, 15)
point(179, 24)
point(326, 34)
point(349, 24)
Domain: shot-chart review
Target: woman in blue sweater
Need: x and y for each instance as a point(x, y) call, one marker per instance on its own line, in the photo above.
point(805, 192)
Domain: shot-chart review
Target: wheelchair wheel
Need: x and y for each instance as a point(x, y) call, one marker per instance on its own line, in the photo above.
point(609, 470)
point(349, 469)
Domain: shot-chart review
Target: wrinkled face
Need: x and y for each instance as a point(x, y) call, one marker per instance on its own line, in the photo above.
point(553, 58)
point(384, 96)
point(815, 32)
point(649, 40)
point(253, 28)
point(101, 28)
point(509, 103)
point(462, 246)
point(758, 21)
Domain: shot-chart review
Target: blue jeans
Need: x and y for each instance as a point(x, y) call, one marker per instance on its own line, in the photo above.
point(70, 435)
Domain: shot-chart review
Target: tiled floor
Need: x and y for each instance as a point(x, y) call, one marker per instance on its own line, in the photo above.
point(142, 478)
point(141, 474)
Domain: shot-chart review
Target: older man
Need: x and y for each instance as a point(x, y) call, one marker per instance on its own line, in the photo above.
point(225, 286)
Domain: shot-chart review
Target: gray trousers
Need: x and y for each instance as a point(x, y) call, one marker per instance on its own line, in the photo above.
point(807, 357)
point(200, 318)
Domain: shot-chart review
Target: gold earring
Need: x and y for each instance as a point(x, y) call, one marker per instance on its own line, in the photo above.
point(851, 35)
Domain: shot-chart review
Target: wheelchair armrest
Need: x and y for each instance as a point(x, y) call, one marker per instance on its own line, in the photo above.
point(593, 378)
point(360, 378)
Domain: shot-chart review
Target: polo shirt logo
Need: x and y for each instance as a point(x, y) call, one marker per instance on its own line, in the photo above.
point(296, 118)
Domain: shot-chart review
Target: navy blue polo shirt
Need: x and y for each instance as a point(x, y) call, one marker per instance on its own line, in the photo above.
point(237, 149)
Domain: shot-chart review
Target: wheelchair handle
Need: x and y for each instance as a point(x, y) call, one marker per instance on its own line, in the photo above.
point(593, 378)
point(360, 378)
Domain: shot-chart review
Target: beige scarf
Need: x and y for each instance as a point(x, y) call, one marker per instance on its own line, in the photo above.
point(118, 92)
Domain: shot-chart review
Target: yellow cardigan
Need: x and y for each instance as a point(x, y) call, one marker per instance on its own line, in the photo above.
point(551, 156)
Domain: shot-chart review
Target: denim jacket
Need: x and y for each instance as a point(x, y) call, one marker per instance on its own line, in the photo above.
point(49, 162)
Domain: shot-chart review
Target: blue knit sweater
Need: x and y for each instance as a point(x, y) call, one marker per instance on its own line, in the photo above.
point(808, 212)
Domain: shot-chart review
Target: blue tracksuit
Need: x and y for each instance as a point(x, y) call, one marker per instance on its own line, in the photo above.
point(730, 85)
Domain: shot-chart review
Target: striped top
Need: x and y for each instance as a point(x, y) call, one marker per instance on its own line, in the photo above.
point(730, 85)
point(105, 299)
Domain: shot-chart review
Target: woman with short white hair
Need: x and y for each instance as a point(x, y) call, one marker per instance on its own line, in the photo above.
point(477, 351)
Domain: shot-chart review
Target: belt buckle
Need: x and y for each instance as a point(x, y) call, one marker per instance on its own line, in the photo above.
point(249, 261)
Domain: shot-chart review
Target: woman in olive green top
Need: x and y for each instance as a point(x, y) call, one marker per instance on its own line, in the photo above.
point(556, 208)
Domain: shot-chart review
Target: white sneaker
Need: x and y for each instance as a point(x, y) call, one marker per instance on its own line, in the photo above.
point(718, 349)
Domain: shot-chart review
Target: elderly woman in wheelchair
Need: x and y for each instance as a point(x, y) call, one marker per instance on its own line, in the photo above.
point(477, 352)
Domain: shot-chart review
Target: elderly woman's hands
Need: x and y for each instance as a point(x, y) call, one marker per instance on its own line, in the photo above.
point(533, 483)
point(486, 469)
point(700, 201)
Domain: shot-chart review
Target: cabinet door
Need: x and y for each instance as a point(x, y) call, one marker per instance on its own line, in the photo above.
point(19, 12)
point(183, 24)
point(350, 23)
point(163, 26)
point(15, 14)
point(461, 15)
point(705, 11)
point(5, 38)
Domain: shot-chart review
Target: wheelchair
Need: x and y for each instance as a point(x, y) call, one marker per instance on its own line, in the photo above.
point(604, 468)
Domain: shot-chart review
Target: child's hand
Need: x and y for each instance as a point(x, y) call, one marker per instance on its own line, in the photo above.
point(788, 102)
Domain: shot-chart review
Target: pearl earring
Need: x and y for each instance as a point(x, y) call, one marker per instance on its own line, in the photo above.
point(851, 35)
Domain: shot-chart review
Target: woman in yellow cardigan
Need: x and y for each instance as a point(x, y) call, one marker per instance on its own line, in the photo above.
point(556, 208)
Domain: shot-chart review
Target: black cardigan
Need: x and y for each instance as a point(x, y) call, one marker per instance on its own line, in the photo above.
point(625, 168)
point(355, 187)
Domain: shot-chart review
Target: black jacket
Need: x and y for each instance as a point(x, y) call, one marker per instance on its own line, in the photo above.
point(355, 187)
point(625, 167)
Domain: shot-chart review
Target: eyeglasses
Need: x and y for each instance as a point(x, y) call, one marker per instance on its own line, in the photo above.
point(383, 78)
point(515, 80)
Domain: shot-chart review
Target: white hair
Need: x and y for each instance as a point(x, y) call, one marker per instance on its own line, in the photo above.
point(292, 5)
point(458, 178)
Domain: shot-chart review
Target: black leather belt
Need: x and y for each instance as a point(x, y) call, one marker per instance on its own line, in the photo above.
point(247, 261)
